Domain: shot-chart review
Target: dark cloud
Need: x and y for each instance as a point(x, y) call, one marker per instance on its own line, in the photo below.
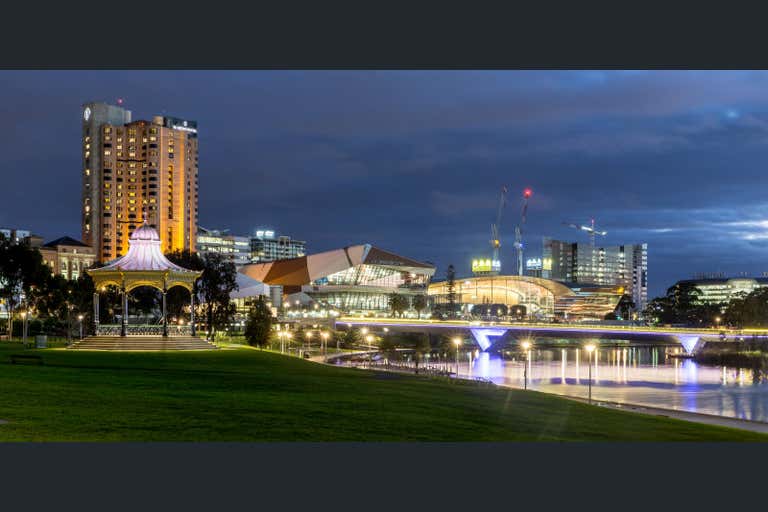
point(413, 161)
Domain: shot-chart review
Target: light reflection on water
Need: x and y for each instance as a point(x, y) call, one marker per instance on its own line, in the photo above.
point(637, 375)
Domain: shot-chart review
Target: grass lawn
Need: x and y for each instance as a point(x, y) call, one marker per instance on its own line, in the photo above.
point(242, 394)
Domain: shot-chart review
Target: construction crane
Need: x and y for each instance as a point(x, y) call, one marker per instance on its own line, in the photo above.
point(589, 229)
point(527, 193)
point(495, 241)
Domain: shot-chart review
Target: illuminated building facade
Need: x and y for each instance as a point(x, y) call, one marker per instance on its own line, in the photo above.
point(135, 171)
point(236, 249)
point(266, 246)
point(356, 280)
point(622, 265)
point(542, 298)
point(723, 290)
point(67, 257)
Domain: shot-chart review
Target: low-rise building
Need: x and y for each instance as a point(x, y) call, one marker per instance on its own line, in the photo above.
point(67, 257)
point(357, 279)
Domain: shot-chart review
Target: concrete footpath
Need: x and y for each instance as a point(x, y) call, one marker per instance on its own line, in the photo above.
point(709, 419)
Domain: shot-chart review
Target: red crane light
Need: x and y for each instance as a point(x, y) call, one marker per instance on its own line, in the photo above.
point(527, 193)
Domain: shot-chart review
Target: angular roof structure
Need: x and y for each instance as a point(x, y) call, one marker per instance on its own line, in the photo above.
point(304, 270)
point(65, 240)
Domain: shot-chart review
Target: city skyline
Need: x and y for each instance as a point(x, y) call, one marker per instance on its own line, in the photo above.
point(337, 158)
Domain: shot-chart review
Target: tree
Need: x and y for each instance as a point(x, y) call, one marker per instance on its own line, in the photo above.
point(215, 285)
point(624, 308)
point(177, 298)
point(748, 310)
point(450, 282)
point(397, 304)
point(350, 338)
point(417, 342)
point(258, 326)
point(419, 303)
point(21, 269)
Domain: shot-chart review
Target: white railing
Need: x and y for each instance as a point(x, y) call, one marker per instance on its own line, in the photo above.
point(143, 330)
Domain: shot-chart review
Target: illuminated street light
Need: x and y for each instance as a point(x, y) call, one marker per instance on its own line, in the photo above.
point(325, 335)
point(590, 348)
point(24, 327)
point(79, 319)
point(527, 347)
point(308, 335)
point(364, 330)
point(457, 342)
point(369, 338)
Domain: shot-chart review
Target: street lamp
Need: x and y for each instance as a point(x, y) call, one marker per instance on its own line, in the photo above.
point(590, 348)
point(364, 331)
point(369, 339)
point(80, 319)
point(24, 327)
point(324, 335)
point(288, 337)
point(717, 321)
point(457, 342)
point(527, 347)
point(308, 335)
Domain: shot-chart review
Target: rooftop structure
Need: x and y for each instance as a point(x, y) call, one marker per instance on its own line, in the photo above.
point(358, 278)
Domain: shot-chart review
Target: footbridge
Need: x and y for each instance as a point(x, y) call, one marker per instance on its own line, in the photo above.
point(486, 334)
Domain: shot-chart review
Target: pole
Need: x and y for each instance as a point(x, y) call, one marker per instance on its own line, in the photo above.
point(124, 320)
point(525, 369)
point(165, 316)
point(95, 313)
point(81, 328)
point(457, 361)
point(192, 311)
point(590, 378)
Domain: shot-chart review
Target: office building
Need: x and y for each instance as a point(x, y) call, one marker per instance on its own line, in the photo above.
point(265, 246)
point(580, 263)
point(236, 249)
point(721, 290)
point(136, 171)
point(357, 279)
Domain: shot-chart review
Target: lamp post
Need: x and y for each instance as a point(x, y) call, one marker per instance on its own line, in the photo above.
point(527, 347)
point(457, 342)
point(717, 321)
point(324, 335)
point(24, 328)
point(288, 337)
point(80, 320)
point(590, 348)
point(308, 335)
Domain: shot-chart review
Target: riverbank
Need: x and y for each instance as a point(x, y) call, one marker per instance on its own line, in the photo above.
point(748, 353)
point(244, 394)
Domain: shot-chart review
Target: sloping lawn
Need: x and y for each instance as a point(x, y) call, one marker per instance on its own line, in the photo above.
point(242, 394)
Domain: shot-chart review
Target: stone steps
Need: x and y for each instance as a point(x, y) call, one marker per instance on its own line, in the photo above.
point(141, 343)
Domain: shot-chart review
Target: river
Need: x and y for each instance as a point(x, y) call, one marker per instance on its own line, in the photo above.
point(634, 374)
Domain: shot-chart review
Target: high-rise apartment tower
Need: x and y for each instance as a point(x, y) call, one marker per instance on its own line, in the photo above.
point(135, 172)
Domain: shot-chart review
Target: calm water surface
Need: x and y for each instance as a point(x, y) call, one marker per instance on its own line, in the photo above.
point(637, 375)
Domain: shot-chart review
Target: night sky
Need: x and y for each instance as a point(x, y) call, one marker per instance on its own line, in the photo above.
point(413, 161)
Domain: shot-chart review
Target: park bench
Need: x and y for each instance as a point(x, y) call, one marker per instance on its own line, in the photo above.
point(15, 358)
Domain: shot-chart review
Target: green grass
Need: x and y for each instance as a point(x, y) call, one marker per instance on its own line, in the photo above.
point(242, 394)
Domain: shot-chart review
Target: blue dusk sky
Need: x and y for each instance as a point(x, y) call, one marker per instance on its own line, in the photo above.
point(413, 161)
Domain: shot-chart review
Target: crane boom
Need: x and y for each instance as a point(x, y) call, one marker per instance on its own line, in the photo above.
point(527, 193)
point(589, 229)
point(495, 240)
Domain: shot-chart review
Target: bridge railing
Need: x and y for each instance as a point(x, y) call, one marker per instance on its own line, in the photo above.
point(572, 325)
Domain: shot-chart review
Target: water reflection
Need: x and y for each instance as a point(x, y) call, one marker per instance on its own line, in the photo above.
point(639, 375)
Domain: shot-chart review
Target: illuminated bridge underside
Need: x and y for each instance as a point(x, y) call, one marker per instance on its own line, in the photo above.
point(486, 336)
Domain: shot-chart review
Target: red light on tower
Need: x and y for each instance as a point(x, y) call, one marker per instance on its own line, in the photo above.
point(527, 193)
